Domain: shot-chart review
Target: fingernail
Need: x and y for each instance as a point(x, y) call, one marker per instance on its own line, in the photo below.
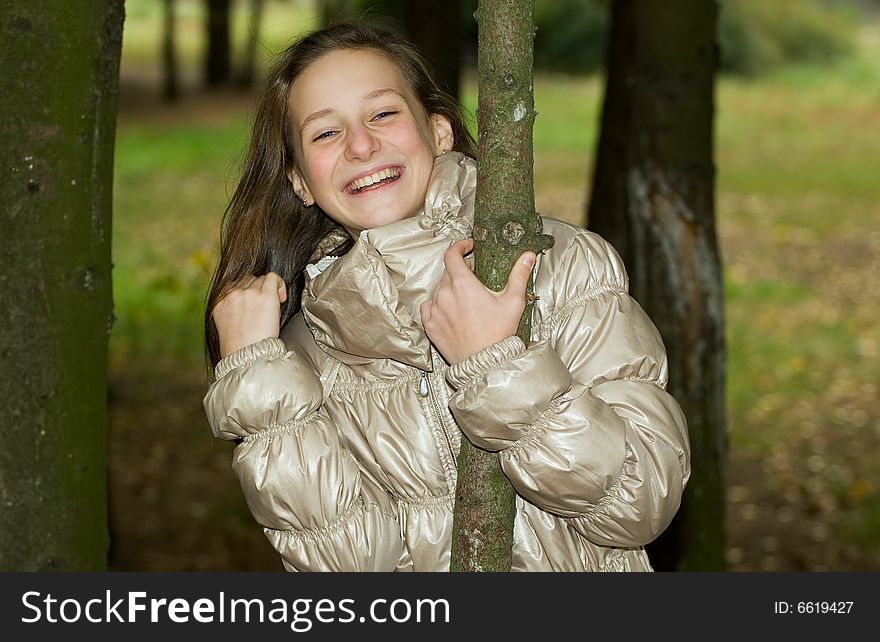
point(529, 260)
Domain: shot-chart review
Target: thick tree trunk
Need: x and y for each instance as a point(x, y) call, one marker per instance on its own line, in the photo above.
point(249, 62)
point(505, 226)
point(57, 122)
point(218, 53)
point(436, 28)
point(170, 82)
point(653, 199)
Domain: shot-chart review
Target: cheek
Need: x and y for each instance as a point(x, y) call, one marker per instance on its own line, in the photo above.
point(415, 140)
point(319, 169)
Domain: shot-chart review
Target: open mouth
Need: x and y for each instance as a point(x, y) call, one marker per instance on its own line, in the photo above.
point(374, 180)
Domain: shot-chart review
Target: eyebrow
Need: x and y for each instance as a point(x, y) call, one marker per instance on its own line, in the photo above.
point(315, 116)
point(376, 93)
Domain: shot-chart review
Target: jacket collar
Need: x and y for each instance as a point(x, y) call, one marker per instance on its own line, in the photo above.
point(365, 305)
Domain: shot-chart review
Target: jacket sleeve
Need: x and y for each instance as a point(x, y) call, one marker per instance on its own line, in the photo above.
point(299, 480)
point(581, 418)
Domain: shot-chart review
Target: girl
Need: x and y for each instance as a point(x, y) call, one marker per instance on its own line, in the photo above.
point(353, 347)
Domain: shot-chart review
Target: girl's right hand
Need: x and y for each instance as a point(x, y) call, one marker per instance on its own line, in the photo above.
point(249, 312)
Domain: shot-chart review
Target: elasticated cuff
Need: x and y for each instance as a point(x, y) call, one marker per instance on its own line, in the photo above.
point(268, 348)
point(465, 373)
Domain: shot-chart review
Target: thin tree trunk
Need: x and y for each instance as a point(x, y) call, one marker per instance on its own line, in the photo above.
point(57, 122)
point(170, 82)
point(218, 53)
point(653, 199)
point(249, 62)
point(505, 226)
point(436, 28)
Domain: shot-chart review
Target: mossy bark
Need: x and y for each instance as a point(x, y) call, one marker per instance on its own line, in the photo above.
point(505, 226)
point(58, 108)
point(653, 199)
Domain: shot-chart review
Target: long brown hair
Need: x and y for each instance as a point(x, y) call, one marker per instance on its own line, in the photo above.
point(265, 227)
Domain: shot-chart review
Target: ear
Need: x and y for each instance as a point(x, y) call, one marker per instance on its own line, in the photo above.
point(299, 186)
point(441, 130)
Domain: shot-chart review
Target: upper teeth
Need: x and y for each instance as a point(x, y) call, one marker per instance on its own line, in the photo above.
point(366, 181)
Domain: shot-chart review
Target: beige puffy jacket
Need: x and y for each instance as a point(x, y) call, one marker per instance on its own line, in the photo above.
point(350, 423)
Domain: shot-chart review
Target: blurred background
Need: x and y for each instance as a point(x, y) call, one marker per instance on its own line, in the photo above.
point(797, 150)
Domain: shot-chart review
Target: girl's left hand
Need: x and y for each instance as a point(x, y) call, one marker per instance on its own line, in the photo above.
point(465, 316)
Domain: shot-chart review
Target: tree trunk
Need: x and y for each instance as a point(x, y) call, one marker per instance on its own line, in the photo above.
point(249, 62)
point(436, 28)
point(170, 82)
point(58, 124)
point(505, 226)
point(218, 55)
point(653, 199)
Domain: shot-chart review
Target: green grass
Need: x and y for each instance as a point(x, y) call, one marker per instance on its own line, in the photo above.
point(186, 148)
point(798, 195)
point(170, 186)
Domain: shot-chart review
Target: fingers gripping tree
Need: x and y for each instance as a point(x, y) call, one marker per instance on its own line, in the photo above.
point(505, 226)
point(57, 122)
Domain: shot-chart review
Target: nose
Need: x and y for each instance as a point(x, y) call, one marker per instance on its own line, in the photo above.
point(362, 143)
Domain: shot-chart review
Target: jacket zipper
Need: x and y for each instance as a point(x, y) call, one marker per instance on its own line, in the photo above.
point(426, 391)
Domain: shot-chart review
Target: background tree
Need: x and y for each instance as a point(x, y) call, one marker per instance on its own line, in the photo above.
point(247, 71)
point(653, 199)
point(505, 226)
point(437, 30)
point(170, 81)
point(57, 121)
point(218, 53)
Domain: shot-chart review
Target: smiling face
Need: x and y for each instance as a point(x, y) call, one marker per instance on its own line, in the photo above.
point(365, 146)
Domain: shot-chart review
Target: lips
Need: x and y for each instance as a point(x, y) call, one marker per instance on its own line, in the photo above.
point(374, 179)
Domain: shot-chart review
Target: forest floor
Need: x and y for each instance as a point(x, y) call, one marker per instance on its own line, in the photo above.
point(797, 206)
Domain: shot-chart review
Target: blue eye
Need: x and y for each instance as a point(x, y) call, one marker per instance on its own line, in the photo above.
point(326, 134)
point(384, 114)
